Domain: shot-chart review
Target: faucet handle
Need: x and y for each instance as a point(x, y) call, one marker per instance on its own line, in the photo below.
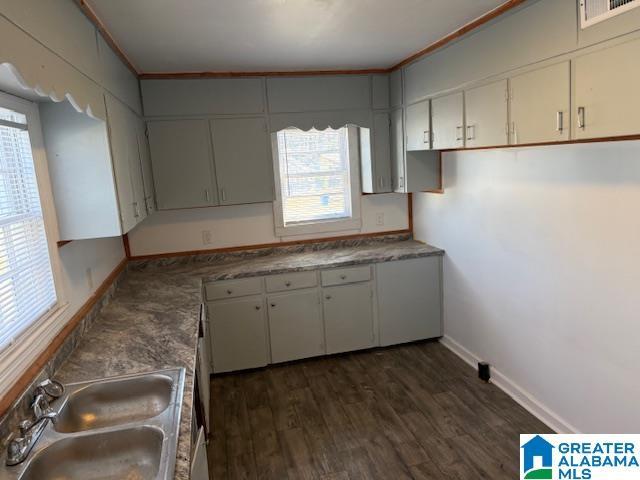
point(53, 388)
point(24, 426)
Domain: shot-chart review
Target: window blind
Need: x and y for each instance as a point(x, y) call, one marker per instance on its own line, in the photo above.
point(314, 175)
point(27, 289)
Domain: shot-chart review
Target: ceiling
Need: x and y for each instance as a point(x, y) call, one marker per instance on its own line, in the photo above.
point(279, 35)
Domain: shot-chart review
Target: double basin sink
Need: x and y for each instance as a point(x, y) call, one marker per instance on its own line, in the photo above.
point(121, 428)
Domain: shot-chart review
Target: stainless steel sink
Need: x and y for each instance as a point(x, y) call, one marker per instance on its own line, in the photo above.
point(132, 453)
point(121, 428)
point(114, 402)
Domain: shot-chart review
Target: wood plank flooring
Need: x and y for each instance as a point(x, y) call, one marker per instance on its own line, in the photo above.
point(409, 412)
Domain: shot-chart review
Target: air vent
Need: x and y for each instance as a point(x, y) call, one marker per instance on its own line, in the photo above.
point(595, 11)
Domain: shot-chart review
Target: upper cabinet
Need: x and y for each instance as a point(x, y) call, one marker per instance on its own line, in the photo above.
point(123, 139)
point(397, 150)
point(487, 115)
point(375, 155)
point(197, 163)
point(242, 160)
point(182, 163)
point(396, 97)
point(418, 126)
point(606, 102)
point(380, 91)
point(448, 121)
point(540, 110)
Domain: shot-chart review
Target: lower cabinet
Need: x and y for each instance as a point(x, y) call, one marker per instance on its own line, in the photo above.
point(238, 333)
point(348, 317)
point(409, 300)
point(254, 321)
point(295, 326)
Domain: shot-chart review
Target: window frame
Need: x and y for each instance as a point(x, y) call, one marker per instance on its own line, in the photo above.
point(18, 356)
point(353, 223)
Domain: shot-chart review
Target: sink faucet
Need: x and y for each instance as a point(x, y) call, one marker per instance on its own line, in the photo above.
point(30, 430)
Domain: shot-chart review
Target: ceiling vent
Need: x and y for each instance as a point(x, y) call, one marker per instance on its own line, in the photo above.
point(595, 11)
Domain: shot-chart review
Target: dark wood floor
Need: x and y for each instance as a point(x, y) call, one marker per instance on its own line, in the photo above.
point(414, 411)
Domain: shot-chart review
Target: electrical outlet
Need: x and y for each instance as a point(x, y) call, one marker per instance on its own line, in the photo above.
point(380, 219)
point(207, 238)
point(89, 274)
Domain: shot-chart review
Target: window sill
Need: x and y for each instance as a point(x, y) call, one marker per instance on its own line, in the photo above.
point(319, 227)
point(18, 357)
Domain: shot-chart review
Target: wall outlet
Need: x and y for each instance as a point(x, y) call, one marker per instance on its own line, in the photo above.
point(380, 218)
point(207, 238)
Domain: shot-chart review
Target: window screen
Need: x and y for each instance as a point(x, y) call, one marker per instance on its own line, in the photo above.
point(27, 288)
point(314, 175)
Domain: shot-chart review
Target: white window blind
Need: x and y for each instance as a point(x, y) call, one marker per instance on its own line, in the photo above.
point(314, 175)
point(27, 289)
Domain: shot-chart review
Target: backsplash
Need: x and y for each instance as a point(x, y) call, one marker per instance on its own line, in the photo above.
point(217, 257)
point(21, 407)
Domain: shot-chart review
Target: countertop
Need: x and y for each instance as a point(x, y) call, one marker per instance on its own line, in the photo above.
point(152, 321)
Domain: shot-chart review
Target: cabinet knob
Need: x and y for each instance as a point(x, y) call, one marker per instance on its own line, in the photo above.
point(343, 277)
point(273, 305)
point(287, 284)
point(229, 292)
point(328, 297)
point(257, 307)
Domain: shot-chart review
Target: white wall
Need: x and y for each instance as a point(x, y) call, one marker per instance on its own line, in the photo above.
point(542, 273)
point(242, 225)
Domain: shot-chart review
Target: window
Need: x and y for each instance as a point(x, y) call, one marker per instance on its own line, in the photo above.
point(27, 289)
point(317, 180)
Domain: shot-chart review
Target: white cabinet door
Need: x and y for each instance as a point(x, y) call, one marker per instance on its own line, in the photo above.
point(540, 110)
point(418, 126)
point(204, 385)
point(243, 160)
point(124, 155)
point(199, 464)
point(135, 165)
point(375, 155)
point(397, 151)
point(295, 326)
point(447, 121)
point(606, 92)
point(238, 334)
point(409, 299)
point(348, 317)
point(182, 164)
point(145, 160)
point(486, 115)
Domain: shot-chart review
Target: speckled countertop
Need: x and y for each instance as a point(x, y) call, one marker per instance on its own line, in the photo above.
point(152, 321)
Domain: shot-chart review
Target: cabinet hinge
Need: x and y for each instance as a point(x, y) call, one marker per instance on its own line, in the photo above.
point(146, 132)
point(507, 94)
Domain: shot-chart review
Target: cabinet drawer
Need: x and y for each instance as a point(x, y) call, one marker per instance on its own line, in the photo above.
point(340, 276)
point(233, 288)
point(291, 281)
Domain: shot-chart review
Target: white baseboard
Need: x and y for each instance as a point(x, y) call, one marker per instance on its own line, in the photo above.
point(521, 396)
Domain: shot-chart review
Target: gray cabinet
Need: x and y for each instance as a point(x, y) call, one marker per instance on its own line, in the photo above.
point(375, 155)
point(486, 115)
point(448, 121)
point(145, 160)
point(606, 101)
point(348, 317)
point(182, 163)
point(295, 325)
point(418, 126)
point(125, 156)
point(409, 296)
point(397, 150)
point(396, 98)
point(242, 159)
point(238, 334)
point(540, 110)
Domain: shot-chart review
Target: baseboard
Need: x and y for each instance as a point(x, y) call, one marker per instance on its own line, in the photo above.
point(521, 396)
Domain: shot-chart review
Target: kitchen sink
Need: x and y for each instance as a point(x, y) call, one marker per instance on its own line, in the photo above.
point(114, 402)
point(127, 454)
point(120, 428)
